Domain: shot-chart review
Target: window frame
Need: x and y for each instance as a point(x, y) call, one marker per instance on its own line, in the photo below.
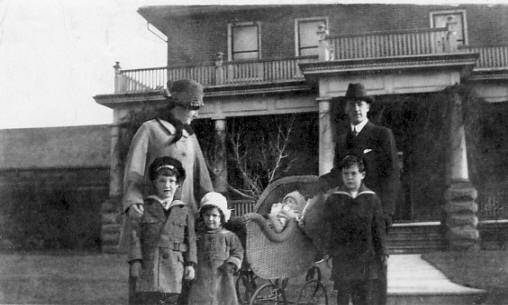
point(230, 38)
point(462, 12)
point(297, 30)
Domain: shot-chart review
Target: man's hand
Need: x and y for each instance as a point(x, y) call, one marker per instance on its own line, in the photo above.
point(388, 222)
point(135, 211)
point(384, 261)
point(228, 268)
point(189, 273)
point(135, 268)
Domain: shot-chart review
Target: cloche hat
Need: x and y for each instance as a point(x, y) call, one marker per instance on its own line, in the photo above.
point(186, 92)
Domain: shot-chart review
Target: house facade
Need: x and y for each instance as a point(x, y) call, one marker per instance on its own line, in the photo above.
point(431, 68)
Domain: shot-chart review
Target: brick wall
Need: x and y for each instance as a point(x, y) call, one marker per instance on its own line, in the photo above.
point(198, 38)
point(52, 184)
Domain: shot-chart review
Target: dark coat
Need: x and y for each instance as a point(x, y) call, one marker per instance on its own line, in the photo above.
point(155, 139)
point(214, 286)
point(377, 146)
point(164, 245)
point(356, 234)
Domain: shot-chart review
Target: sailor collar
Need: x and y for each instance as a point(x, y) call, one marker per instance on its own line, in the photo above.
point(362, 191)
point(166, 204)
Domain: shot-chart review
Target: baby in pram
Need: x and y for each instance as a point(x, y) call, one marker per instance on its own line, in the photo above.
point(291, 207)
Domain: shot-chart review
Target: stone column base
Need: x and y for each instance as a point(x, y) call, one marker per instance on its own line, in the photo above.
point(461, 219)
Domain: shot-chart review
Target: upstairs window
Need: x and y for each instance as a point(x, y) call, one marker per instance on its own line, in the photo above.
point(306, 37)
point(440, 19)
point(244, 41)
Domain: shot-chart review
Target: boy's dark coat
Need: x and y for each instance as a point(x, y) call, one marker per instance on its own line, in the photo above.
point(376, 145)
point(356, 234)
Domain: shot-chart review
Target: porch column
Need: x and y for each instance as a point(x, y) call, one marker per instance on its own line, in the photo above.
point(326, 143)
point(111, 209)
point(220, 172)
point(460, 207)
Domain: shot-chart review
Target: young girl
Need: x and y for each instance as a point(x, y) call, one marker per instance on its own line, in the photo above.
point(163, 249)
point(291, 207)
point(220, 254)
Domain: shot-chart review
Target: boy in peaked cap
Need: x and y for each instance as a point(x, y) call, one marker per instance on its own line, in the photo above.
point(163, 241)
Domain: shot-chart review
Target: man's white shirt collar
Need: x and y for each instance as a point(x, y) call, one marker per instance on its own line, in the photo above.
point(358, 128)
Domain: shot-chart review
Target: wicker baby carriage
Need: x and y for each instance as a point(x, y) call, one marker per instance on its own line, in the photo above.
point(275, 257)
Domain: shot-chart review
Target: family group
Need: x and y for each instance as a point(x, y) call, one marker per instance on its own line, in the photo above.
point(179, 249)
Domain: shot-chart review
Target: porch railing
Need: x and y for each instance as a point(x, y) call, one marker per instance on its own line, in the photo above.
point(139, 80)
point(212, 74)
point(388, 44)
point(491, 58)
point(342, 47)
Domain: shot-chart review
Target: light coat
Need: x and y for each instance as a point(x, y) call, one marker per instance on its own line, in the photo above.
point(164, 245)
point(212, 285)
point(154, 139)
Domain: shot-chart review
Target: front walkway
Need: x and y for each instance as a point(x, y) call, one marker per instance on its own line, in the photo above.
point(410, 274)
point(78, 278)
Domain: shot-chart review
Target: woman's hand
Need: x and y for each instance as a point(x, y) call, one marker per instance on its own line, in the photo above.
point(189, 273)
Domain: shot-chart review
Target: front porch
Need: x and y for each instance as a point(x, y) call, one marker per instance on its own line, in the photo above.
point(400, 63)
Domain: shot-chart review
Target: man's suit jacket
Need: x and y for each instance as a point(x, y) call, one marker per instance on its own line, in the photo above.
point(377, 146)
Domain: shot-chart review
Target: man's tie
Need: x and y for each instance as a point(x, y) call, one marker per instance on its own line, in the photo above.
point(354, 132)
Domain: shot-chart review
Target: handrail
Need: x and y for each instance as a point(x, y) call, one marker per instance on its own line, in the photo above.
point(422, 30)
point(341, 47)
point(389, 44)
point(491, 57)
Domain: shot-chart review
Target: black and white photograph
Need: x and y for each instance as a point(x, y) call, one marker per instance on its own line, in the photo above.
point(239, 152)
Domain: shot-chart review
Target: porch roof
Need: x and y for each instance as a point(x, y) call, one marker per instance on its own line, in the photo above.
point(158, 15)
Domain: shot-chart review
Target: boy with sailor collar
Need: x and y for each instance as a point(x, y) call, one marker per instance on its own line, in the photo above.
point(356, 235)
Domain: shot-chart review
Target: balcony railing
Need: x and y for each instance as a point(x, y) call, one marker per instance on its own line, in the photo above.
point(343, 47)
point(389, 44)
point(491, 58)
point(212, 74)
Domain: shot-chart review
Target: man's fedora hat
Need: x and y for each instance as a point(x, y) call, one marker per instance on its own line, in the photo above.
point(356, 92)
point(187, 93)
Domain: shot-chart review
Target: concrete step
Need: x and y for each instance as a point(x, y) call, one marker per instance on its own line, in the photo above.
point(419, 237)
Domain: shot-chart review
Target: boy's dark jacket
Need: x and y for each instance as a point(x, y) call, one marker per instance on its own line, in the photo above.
point(376, 144)
point(355, 232)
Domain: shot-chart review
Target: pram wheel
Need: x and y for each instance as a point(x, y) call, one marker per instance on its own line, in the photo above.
point(246, 284)
point(268, 294)
point(313, 292)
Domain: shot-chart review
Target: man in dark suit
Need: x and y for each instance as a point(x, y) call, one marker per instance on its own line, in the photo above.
point(376, 145)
